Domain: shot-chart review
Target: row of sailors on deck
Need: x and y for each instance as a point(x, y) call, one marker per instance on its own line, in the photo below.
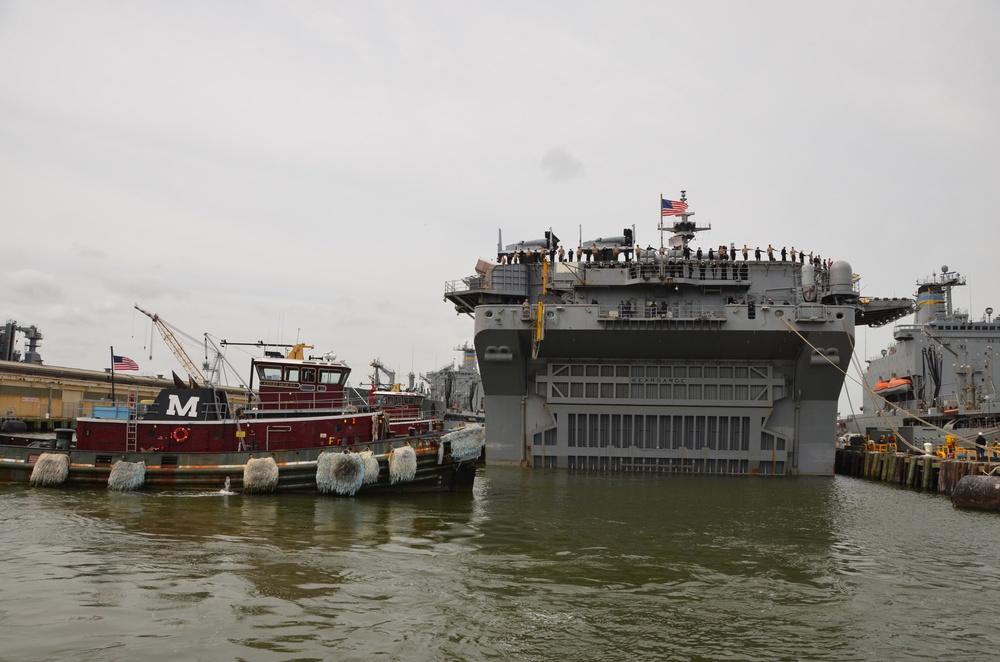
point(616, 253)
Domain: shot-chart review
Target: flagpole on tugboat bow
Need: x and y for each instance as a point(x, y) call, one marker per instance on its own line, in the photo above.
point(112, 376)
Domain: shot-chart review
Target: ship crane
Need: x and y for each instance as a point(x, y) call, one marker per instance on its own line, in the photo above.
point(166, 330)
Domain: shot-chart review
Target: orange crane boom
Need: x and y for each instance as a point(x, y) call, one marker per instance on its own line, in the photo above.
point(168, 337)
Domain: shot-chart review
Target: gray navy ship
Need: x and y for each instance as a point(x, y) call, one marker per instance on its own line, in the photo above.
point(665, 359)
point(937, 378)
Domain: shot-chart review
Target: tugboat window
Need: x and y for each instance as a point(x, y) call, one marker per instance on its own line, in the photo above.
point(269, 373)
point(329, 376)
point(308, 375)
point(291, 374)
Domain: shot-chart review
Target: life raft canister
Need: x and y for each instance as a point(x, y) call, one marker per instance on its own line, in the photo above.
point(179, 435)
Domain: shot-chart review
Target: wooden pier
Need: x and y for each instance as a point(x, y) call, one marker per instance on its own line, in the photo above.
point(929, 473)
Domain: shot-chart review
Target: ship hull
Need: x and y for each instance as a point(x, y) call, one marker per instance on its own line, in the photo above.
point(296, 469)
point(727, 395)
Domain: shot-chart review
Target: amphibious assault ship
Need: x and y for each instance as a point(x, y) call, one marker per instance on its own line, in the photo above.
point(938, 377)
point(664, 359)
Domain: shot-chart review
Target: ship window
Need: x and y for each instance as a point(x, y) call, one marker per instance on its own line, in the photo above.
point(664, 436)
point(680, 392)
point(652, 391)
point(408, 400)
point(621, 391)
point(607, 391)
point(694, 391)
point(699, 432)
point(711, 372)
point(621, 371)
point(680, 371)
point(309, 375)
point(291, 374)
point(711, 392)
point(689, 432)
point(637, 391)
point(269, 372)
point(665, 371)
point(665, 392)
point(638, 371)
point(607, 371)
point(330, 376)
point(726, 392)
point(694, 371)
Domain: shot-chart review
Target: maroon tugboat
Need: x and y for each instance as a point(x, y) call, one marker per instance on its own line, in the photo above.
point(303, 430)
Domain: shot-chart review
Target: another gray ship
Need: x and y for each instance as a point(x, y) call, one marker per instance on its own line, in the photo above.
point(938, 378)
point(458, 390)
point(664, 359)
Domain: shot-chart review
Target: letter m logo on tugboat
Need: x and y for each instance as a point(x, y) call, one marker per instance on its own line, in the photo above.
point(189, 409)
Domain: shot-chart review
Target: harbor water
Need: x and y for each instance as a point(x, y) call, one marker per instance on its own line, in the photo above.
point(534, 565)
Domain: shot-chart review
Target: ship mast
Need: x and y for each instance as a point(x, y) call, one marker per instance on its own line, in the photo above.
point(682, 228)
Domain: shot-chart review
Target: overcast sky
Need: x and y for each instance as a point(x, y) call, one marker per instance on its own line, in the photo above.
point(317, 170)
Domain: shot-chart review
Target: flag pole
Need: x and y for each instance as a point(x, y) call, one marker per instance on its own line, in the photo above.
point(112, 376)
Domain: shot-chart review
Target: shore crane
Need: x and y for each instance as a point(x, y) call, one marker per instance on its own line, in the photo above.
point(167, 331)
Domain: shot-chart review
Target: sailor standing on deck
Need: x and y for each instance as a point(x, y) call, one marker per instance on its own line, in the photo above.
point(980, 448)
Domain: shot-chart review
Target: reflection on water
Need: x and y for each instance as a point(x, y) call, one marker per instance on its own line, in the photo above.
point(534, 565)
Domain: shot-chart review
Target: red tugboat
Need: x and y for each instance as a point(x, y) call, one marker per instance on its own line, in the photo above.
point(303, 431)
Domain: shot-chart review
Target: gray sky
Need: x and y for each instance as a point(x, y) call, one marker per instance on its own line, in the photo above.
point(318, 170)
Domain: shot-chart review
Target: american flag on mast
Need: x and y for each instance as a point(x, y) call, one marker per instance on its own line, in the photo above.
point(673, 207)
point(124, 363)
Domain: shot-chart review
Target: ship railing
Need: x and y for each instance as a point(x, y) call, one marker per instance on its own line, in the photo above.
point(467, 284)
point(661, 312)
point(303, 402)
point(684, 270)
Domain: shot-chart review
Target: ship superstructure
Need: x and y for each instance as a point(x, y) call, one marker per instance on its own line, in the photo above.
point(671, 358)
point(938, 377)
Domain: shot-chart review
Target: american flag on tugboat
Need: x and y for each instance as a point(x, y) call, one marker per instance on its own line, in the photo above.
point(673, 207)
point(124, 363)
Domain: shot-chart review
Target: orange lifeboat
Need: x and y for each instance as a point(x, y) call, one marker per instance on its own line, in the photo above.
point(894, 386)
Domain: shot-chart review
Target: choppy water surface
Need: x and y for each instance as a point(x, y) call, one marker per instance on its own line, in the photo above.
point(533, 566)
